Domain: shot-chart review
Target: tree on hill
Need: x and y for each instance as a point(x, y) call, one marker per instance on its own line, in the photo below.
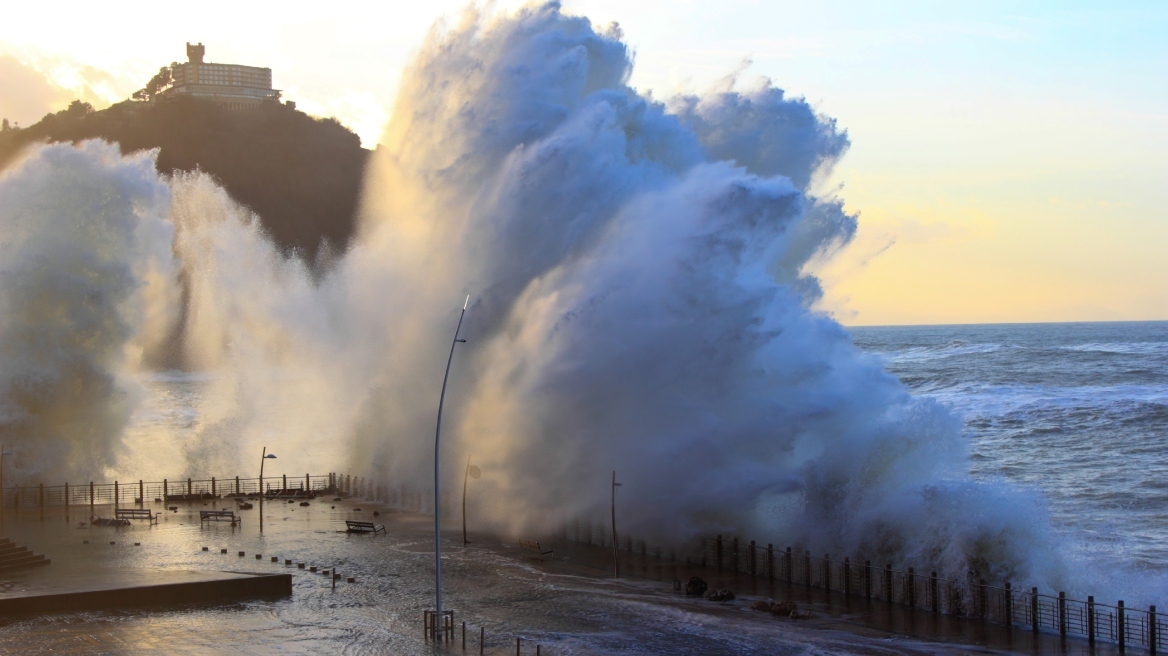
point(157, 84)
point(301, 175)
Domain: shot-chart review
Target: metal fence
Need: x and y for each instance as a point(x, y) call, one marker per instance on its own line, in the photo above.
point(925, 591)
point(121, 493)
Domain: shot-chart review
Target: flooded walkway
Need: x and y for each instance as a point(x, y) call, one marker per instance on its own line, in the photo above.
point(564, 601)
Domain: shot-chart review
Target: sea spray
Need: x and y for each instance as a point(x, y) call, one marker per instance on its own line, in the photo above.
point(85, 291)
point(641, 304)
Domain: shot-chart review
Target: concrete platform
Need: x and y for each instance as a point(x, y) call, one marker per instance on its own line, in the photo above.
point(130, 588)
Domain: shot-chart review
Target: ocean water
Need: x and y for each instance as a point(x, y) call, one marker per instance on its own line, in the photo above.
point(1078, 410)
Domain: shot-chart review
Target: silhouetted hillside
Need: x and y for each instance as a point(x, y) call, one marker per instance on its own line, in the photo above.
point(301, 175)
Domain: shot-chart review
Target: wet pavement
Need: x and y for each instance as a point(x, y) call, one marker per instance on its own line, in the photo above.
point(565, 602)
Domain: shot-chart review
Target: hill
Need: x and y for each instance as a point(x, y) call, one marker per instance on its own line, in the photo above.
point(301, 175)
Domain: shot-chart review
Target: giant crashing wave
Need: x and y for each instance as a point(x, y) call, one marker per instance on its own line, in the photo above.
point(640, 303)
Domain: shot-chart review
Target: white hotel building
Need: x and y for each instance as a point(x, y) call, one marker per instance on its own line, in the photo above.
point(231, 85)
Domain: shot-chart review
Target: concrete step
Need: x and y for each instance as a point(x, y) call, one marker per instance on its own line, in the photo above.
point(15, 555)
point(5, 548)
point(29, 561)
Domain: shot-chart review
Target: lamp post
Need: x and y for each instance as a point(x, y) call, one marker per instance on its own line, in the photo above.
point(437, 502)
point(472, 472)
point(263, 457)
point(615, 550)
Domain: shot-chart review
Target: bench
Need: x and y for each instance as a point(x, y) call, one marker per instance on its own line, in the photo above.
point(363, 527)
point(219, 516)
point(525, 544)
point(136, 513)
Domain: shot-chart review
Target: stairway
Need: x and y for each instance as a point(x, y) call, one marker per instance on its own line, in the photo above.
point(14, 556)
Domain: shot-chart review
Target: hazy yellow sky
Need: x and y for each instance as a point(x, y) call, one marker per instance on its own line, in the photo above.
point(1007, 163)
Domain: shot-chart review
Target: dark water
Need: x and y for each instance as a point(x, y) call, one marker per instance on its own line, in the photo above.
point(1078, 410)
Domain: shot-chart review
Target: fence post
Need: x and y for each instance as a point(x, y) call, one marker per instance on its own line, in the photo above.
point(1090, 619)
point(847, 576)
point(752, 565)
point(868, 579)
point(888, 581)
point(910, 588)
point(807, 566)
point(90, 496)
point(213, 490)
point(237, 485)
point(1009, 606)
point(1034, 610)
point(734, 555)
point(827, 571)
point(982, 600)
point(718, 552)
point(787, 565)
point(770, 562)
point(1121, 625)
point(66, 498)
point(165, 491)
point(141, 493)
point(115, 494)
point(1152, 628)
point(933, 592)
point(285, 482)
point(42, 495)
point(1062, 613)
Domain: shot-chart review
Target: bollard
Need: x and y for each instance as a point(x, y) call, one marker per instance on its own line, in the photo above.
point(464, 636)
point(242, 554)
point(275, 559)
point(222, 551)
point(285, 483)
point(259, 556)
point(1034, 610)
point(482, 638)
point(518, 641)
point(1090, 619)
point(287, 561)
point(206, 548)
point(300, 565)
point(190, 489)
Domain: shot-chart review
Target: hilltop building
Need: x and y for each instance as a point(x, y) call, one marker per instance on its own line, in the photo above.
point(231, 85)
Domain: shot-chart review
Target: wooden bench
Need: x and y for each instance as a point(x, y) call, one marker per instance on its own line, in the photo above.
point(363, 527)
point(525, 544)
point(219, 516)
point(136, 513)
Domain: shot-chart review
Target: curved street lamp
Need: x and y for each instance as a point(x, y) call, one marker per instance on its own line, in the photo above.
point(263, 457)
point(437, 502)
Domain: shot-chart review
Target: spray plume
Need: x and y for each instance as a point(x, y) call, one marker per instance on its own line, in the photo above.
point(639, 303)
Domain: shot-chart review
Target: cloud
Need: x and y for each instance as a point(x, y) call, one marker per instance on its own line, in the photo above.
point(28, 94)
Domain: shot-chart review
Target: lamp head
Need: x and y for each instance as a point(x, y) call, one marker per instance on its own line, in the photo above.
point(270, 455)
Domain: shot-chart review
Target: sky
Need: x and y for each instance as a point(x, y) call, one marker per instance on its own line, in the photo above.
point(1007, 159)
